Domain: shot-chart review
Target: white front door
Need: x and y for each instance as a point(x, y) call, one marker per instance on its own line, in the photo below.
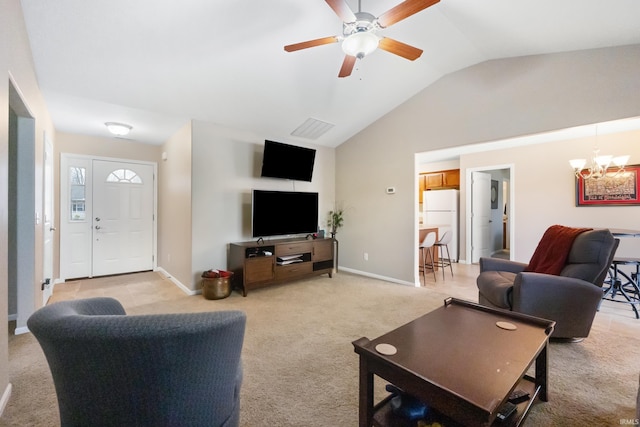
point(107, 223)
point(480, 215)
point(122, 217)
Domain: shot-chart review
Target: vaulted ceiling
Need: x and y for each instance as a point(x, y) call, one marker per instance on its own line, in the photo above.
point(154, 64)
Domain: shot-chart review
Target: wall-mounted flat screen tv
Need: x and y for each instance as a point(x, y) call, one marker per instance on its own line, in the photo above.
point(287, 161)
point(279, 213)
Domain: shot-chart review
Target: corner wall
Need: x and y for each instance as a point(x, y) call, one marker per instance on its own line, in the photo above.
point(175, 206)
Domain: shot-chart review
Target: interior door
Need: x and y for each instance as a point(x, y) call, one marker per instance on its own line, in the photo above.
point(480, 215)
point(122, 219)
point(48, 222)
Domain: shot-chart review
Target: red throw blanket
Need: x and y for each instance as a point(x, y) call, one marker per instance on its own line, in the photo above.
point(553, 249)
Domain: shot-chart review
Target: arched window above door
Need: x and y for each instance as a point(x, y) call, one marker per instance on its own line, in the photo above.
point(126, 176)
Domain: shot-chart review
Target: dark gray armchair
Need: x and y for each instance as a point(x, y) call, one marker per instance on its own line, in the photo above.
point(113, 369)
point(571, 298)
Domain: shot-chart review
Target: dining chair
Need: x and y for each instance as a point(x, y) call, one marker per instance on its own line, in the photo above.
point(623, 283)
point(427, 248)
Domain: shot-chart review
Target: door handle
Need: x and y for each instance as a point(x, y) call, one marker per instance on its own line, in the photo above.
point(97, 227)
point(52, 229)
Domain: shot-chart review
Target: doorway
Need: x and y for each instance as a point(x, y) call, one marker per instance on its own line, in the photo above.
point(107, 216)
point(495, 236)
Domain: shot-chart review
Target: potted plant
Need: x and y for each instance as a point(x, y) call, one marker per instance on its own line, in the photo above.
point(334, 221)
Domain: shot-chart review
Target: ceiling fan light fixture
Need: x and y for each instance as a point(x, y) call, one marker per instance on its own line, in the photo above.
point(118, 129)
point(360, 44)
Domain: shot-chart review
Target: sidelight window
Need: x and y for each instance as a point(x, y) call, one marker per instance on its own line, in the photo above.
point(77, 193)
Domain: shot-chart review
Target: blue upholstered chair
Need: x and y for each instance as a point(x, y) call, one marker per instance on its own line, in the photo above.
point(113, 369)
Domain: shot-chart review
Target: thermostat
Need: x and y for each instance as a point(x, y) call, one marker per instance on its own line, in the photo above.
point(391, 190)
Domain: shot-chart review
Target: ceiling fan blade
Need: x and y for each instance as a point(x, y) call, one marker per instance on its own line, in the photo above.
point(347, 66)
point(311, 43)
point(403, 10)
point(398, 48)
point(342, 9)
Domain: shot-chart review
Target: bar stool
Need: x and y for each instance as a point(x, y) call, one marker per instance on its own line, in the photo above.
point(629, 290)
point(442, 244)
point(427, 245)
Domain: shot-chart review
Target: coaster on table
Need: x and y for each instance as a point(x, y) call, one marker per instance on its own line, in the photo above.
point(506, 325)
point(386, 349)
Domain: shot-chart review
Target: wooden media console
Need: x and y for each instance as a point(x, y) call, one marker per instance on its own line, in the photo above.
point(256, 265)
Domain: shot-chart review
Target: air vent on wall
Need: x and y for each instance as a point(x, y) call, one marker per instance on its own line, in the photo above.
point(312, 129)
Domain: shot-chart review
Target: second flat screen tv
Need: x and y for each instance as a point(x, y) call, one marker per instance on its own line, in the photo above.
point(279, 213)
point(287, 161)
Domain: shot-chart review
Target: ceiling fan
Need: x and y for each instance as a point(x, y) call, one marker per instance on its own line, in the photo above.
point(360, 30)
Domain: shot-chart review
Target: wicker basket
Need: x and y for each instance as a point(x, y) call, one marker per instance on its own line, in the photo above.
point(216, 288)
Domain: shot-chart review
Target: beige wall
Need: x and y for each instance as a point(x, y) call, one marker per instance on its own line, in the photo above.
point(117, 148)
point(174, 206)
point(95, 146)
point(226, 167)
point(544, 189)
point(16, 64)
point(487, 102)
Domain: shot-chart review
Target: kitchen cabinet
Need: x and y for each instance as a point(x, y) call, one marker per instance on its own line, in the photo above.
point(438, 180)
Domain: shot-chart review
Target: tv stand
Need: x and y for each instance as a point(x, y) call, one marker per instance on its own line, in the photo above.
point(257, 265)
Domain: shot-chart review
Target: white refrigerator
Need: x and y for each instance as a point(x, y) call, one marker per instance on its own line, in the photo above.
point(441, 210)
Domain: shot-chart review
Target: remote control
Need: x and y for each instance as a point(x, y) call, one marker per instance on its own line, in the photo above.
point(518, 396)
point(506, 411)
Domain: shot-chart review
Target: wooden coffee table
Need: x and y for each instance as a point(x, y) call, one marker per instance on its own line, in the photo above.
point(459, 362)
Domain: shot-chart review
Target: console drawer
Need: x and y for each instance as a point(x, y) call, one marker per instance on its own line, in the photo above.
point(293, 248)
point(294, 270)
point(259, 269)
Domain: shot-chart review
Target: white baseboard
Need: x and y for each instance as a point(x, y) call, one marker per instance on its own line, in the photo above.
point(376, 276)
point(176, 282)
point(5, 398)
point(21, 330)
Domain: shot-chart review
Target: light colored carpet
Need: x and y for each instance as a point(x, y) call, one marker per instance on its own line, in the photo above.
point(299, 365)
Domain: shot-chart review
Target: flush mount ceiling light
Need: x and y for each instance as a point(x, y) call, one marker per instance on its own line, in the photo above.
point(118, 129)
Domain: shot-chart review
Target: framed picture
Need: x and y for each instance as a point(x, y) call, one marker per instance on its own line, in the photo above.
point(611, 190)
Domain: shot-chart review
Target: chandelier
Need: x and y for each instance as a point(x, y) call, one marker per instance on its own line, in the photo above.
point(599, 165)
